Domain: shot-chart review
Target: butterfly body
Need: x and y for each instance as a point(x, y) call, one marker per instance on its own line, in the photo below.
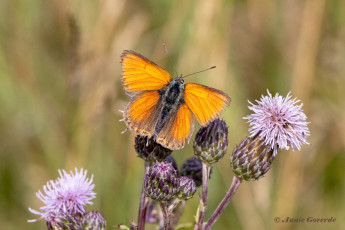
point(165, 108)
point(171, 97)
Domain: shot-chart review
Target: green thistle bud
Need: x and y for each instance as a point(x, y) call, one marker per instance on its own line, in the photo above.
point(150, 150)
point(93, 220)
point(251, 159)
point(64, 221)
point(211, 142)
point(161, 182)
point(187, 188)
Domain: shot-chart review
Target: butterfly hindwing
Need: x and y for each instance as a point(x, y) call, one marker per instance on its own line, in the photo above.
point(142, 112)
point(141, 74)
point(206, 103)
point(180, 126)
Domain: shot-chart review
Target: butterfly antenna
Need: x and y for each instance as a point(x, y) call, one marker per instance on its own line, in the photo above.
point(199, 71)
point(171, 63)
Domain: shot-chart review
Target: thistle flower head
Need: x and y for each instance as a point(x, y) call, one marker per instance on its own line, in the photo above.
point(187, 188)
point(161, 181)
point(251, 159)
point(67, 194)
point(93, 220)
point(279, 121)
point(149, 150)
point(211, 142)
point(64, 221)
point(170, 159)
point(192, 168)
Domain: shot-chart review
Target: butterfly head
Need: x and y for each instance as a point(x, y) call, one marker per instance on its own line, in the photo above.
point(179, 80)
point(175, 88)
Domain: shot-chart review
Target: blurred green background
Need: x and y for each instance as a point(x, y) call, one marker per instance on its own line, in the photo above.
point(60, 92)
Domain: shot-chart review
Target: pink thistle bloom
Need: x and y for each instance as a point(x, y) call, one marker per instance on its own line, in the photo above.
point(279, 122)
point(67, 194)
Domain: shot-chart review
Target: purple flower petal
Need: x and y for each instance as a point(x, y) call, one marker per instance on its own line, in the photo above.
point(279, 122)
point(68, 193)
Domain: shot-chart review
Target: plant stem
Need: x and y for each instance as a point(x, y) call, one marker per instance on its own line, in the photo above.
point(233, 188)
point(143, 204)
point(203, 202)
point(178, 214)
point(166, 216)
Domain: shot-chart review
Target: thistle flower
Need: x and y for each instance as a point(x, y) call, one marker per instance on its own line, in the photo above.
point(161, 182)
point(67, 194)
point(64, 221)
point(187, 188)
point(279, 122)
point(149, 150)
point(211, 142)
point(251, 159)
point(93, 220)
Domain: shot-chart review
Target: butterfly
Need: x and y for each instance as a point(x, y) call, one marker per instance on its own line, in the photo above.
point(165, 108)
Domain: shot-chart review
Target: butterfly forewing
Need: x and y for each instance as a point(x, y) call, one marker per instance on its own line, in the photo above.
point(141, 74)
point(206, 103)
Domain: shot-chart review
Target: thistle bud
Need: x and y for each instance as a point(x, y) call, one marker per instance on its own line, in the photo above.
point(161, 181)
point(187, 188)
point(170, 159)
point(211, 142)
point(93, 220)
point(63, 221)
point(192, 168)
point(251, 159)
point(150, 150)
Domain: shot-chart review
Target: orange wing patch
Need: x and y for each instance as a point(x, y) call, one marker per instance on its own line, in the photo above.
point(206, 103)
point(177, 129)
point(183, 124)
point(141, 74)
point(141, 114)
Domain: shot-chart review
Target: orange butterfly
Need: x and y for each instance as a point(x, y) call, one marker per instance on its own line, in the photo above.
point(163, 107)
